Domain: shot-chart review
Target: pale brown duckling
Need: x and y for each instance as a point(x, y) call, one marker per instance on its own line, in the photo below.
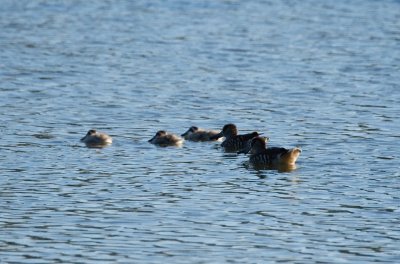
point(234, 142)
point(195, 133)
point(95, 139)
point(164, 139)
point(260, 155)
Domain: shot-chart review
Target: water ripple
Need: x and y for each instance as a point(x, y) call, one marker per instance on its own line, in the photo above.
point(322, 76)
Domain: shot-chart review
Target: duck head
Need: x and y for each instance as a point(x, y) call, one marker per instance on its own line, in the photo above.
point(258, 145)
point(254, 142)
point(91, 132)
point(191, 130)
point(159, 134)
point(229, 130)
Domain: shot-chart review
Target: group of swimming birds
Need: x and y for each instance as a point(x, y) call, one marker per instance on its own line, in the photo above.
point(252, 143)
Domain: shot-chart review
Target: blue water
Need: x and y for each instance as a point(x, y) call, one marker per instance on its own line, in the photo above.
point(321, 75)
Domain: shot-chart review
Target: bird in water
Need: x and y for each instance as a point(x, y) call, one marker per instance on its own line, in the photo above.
point(96, 139)
point(164, 139)
point(273, 157)
point(234, 142)
point(195, 133)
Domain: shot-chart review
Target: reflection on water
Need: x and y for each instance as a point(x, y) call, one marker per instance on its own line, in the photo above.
point(323, 77)
point(279, 168)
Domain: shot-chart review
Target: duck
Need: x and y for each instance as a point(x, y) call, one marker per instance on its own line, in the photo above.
point(273, 157)
point(234, 142)
point(96, 139)
point(165, 139)
point(195, 133)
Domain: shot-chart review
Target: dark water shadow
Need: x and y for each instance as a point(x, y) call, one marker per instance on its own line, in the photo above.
point(282, 168)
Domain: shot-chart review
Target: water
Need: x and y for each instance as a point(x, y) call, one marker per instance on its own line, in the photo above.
point(321, 75)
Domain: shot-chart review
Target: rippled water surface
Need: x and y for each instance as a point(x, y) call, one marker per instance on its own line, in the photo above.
point(322, 75)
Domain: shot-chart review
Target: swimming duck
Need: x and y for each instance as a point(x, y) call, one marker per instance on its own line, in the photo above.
point(198, 134)
point(96, 139)
point(164, 139)
point(260, 155)
point(234, 142)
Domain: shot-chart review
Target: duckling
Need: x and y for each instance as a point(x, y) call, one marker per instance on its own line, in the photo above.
point(164, 139)
point(198, 134)
point(271, 157)
point(234, 142)
point(95, 139)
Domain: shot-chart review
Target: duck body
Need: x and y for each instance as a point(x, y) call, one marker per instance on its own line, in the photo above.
point(234, 142)
point(96, 139)
point(198, 134)
point(238, 142)
point(271, 157)
point(164, 139)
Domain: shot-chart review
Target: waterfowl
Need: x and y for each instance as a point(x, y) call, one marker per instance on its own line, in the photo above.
point(260, 155)
point(247, 146)
point(96, 139)
point(195, 133)
point(164, 139)
point(234, 142)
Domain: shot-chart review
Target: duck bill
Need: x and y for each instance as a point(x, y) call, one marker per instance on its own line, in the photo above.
point(185, 134)
point(217, 136)
point(83, 139)
point(152, 139)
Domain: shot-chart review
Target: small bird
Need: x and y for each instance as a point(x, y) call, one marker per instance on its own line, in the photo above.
point(198, 134)
point(164, 139)
point(274, 157)
point(95, 139)
point(234, 142)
